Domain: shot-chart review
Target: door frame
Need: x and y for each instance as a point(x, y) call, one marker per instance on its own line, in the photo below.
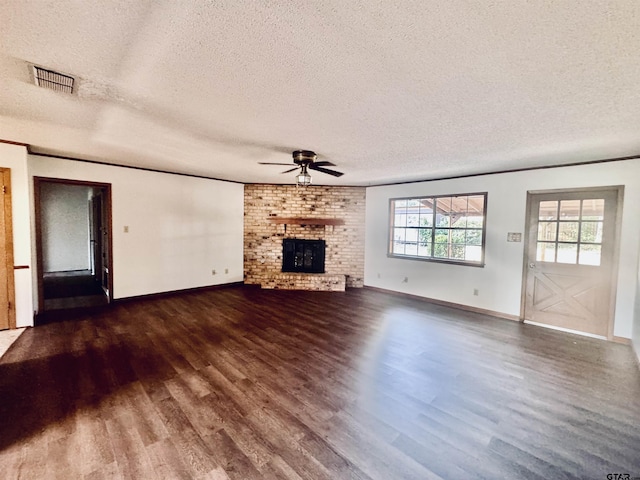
point(613, 281)
point(37, 182)
point(8, 235)
point(100, 221)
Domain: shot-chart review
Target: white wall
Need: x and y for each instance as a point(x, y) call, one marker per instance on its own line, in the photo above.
point(65, 227)
point(180, 228)
point(15, 158)
point(500, 281)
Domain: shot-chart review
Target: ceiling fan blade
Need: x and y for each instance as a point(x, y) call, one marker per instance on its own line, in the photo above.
point(325, 170)
point(273, 163)
point(291, 170)
point(324, 163)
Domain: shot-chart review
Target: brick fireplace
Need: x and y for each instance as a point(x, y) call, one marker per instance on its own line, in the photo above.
point(334, 215)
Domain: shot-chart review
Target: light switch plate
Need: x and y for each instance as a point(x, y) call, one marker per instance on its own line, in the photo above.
point(514, 237)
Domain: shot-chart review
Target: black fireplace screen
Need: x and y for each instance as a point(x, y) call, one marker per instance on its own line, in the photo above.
point(306, 256)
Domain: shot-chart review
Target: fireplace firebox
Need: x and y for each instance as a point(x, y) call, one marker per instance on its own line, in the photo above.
point(303, 256)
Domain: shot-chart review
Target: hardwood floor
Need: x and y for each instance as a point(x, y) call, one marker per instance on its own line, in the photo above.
point(243, 383)
point(68, 290)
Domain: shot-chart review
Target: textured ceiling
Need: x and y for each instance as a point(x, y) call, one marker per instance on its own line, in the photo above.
point(387, 90)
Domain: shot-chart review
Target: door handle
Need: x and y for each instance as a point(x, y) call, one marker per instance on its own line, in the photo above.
point(532, 265)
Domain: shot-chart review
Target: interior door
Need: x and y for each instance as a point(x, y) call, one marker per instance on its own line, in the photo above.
point(95, 236)
point(570, 260)
point(7, 310)
point(101, 245)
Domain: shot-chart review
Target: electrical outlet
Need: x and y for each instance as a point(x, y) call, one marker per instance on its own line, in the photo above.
point(378, 275)
point(476, 292)
point(126, 229)
point(406, 280)
point(213, 272)
point(226, 270)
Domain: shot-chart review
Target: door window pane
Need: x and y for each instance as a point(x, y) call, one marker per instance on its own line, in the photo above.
point(593, 209)
point(546, 252)
point(569, 209)
point(591, 232)
point(547, 231)
point(568, 232)
point(548, 210)
point(590, 254)
point(567, 253)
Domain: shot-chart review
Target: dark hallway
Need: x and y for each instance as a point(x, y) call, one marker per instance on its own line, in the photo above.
point(64, 290)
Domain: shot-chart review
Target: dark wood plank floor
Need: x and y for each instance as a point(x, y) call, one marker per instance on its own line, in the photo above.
point(243, 383)
point(67, 290)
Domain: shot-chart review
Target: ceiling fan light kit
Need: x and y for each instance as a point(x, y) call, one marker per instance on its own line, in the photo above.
point(303, 179)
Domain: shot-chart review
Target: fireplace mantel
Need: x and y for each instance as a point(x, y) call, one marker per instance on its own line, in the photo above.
point(305, 221)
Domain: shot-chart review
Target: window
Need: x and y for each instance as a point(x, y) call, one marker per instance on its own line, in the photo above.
point(447, 228)
point(570, 231)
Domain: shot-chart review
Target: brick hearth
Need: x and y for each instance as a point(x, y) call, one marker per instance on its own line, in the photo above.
point(306, 281)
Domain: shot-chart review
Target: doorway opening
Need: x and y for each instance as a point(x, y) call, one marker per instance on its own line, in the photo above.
point(73, 240)
point(571, 259)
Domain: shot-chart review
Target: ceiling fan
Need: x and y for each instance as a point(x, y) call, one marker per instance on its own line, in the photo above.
point(305, 160)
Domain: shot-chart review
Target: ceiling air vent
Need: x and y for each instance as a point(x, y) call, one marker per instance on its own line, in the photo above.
point(53, 80)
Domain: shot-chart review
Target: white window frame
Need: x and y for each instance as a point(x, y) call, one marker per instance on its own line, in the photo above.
point(426, 250)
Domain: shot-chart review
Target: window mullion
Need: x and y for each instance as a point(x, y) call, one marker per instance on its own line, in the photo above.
point(579, 233)
point(433, 227)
